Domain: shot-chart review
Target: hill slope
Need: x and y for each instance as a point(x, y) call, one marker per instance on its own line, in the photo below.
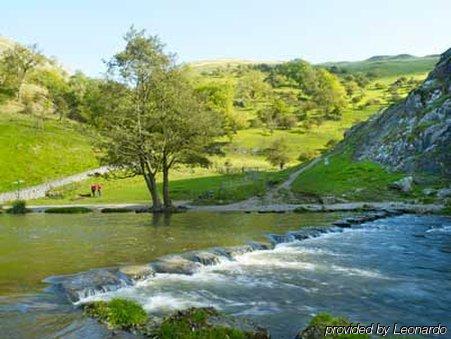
point(384, 66)
point(415, 134)
point(35, 155)
point(411, 137)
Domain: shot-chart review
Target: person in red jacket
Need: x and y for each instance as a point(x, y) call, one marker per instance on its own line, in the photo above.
point(99, 189)
point(93, 190)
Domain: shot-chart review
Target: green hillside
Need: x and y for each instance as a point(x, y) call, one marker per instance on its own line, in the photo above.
point(215, 186)
point(35, 155)
point(386, 66)
point(37, 146)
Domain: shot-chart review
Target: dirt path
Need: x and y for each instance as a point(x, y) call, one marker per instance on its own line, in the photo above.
point(39, 191)
point(272, 200)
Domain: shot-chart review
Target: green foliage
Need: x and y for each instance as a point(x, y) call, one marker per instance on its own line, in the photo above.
point(193, 324)
point(59, 91)
point(321, 87)
point(207, 188)
point(324, 319)
point(252, 86)
point(18, 207)
point(277, 153)
point(157, 122)
point(118, 313)
point(277, 115)
point(116, 210)
point(15, 65)
point(319, 323)
point(306, 156)
point(37, 155)
point(218, 96)
point(355, 180)
point(68, 210)
point(386, 67)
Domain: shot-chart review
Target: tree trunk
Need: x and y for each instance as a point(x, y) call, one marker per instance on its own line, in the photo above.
point(152, 186)
point(166, 197)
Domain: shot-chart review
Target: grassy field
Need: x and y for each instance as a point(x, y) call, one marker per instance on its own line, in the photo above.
point(34, 154)
point(344, 178)
point(200, 186)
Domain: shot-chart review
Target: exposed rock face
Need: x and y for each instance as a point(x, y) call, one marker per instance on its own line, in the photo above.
point(414, 135)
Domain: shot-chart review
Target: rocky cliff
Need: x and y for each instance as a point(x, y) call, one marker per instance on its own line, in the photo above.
point(414, 135)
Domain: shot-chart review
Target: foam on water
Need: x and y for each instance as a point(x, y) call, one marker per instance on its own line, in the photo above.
point(377, 272)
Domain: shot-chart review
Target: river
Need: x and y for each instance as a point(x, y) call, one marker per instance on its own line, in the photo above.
point(391, 270)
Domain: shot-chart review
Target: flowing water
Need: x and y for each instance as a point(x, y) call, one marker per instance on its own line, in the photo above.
point(391, 270)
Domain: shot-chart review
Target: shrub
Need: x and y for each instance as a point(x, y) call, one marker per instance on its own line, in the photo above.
point(306, 156)
point(19, 207)
point(116, 210)
point(118, 313)
point(68, 210)
point(193, 323)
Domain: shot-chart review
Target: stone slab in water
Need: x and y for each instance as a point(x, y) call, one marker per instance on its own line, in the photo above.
point(89, 283)
point(137, 272)
point(203, 257)
point(175, 264)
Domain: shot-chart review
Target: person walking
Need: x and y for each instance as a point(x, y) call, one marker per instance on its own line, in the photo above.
point(99, 190)
point(93, 189)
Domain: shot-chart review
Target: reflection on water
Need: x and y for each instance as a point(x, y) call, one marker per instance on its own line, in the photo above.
point(35, 246)
point(390, 270)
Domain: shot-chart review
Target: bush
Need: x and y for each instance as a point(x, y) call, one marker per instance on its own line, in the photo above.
point(19, 207)
point(193, 323)
point(306, 156)
point(116, 210)
point(68, 210)
point(118, 313)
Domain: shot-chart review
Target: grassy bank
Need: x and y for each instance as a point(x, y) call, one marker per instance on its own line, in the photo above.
point(37, 154)
point(351, 180)
point(200, 186)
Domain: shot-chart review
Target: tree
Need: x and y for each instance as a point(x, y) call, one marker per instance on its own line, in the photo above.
point(318, 85)
point(218, 96)
point(56, 83)
point(252, 86)
point(16, 63)
point(155, 120)
point(277, 153)
point(183, 128)
point(330, 94)
point(277, 115)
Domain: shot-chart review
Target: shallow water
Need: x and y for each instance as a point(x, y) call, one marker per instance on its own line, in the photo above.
point(391, 270)
point(35, 246)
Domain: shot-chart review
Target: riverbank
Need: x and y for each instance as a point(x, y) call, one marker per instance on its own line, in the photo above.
point(252, 205)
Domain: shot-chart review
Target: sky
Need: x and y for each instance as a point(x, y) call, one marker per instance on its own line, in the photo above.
point(82, 33)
